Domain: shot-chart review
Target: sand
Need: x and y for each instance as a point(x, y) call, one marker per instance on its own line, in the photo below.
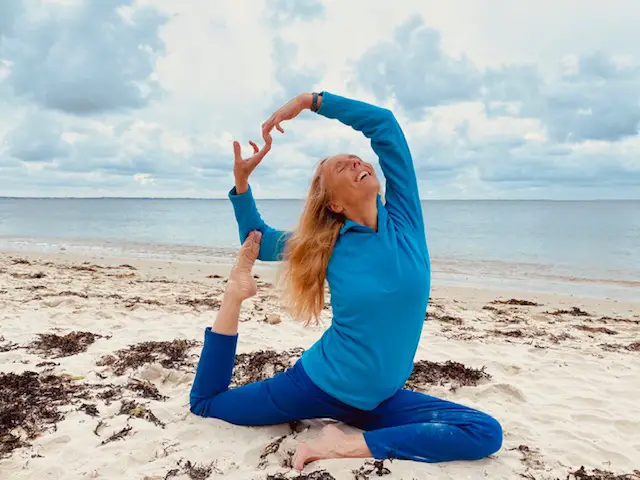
point(112, 345)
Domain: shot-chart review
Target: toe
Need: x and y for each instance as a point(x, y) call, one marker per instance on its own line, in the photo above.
point(300, 457)
point(250, 248)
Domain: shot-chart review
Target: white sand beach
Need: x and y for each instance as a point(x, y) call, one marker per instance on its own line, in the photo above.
point(562, 376)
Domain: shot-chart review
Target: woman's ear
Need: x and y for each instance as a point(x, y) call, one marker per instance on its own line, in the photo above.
point(335, 207)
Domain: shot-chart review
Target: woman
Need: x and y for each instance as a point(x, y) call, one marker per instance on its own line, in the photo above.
point(374, 257)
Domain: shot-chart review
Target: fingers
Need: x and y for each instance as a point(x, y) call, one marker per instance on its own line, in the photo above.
point(237, 152)
point(273, 121)
point(258, 154)
point(266, 128)
point(257, 158)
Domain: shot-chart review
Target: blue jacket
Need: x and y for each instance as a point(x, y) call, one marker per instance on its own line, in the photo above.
point(379, 281)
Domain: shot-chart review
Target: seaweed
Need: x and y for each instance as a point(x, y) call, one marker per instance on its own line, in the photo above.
point(263, 364)
point(170, 354)
point(431, 373)
point(53, 345)
point(32, 401)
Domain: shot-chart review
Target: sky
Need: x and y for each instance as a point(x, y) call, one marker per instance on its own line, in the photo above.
point(498, 99)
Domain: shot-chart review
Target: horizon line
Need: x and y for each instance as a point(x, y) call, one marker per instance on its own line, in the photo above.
point(2, 197)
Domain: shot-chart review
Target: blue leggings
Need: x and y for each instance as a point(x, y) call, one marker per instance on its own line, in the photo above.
point(409, 425)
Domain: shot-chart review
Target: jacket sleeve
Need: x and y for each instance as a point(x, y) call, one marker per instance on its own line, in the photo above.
point(389, 143)
point(273, 241)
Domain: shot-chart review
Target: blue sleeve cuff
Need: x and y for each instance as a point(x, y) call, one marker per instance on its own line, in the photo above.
point(328, 108)
point(235, 197)
point(219, 338)
point(242, 203)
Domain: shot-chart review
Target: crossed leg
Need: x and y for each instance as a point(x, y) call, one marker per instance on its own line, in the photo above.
point(409, 425)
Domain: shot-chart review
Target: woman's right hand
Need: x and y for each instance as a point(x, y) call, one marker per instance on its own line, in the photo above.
point(243, 168)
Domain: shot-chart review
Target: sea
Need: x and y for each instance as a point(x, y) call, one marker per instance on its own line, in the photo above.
point(586, 248)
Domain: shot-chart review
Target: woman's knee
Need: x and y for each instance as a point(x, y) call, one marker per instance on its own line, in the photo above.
point(490, 436)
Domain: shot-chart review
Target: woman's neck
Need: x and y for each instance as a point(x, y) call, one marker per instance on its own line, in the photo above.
point(365, 214)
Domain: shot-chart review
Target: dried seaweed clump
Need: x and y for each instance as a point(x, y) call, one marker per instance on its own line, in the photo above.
point(431, 373)
point(137, 410)
point(597, 474)
point(317, 475)
point(210, 302)
point(515, 301)
point(173, 354)
point(29, 276)
point(375, 467)
point(6, 345)
point(445, 318)
point(263, 364)
point(53, 345)
point(145, 389)
point(574, 312)
point(616, 347)
point(194, 471)
point(31, 402)
point(587, 328)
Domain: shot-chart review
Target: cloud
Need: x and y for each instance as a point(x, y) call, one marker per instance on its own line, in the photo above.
point(37, 139)
point(594, 98)
point(591, 97)
point(415, 70)
point(118, 98)
point(85, 58)
point(293, 80)
point(9, 11)
point(283, 12)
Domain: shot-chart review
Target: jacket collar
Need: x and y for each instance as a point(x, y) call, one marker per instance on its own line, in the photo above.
point(350, 225)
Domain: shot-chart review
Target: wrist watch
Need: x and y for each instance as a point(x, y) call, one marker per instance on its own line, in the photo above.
point(314, 102)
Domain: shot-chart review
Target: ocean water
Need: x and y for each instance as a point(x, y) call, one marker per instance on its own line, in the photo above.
point(586, 248)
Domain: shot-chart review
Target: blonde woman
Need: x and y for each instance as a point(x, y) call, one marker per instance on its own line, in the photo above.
point(374, 257)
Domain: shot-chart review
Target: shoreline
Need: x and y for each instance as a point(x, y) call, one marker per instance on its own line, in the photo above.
point(489, 274)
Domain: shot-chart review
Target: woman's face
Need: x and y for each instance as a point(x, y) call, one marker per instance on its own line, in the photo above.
point(350, 180)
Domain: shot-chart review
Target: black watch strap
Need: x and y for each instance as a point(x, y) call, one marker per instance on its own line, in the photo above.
point(314, 102)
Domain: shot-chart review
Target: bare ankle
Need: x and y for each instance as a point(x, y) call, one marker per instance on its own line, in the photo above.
point(353, 446)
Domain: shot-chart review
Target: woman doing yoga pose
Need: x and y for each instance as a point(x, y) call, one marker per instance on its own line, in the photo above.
point(374, 258)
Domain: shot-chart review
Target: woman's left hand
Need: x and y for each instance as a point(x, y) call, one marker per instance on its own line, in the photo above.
point(288, 112)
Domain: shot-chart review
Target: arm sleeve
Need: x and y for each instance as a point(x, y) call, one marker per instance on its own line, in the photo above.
point(389, 143)
point(249, 219)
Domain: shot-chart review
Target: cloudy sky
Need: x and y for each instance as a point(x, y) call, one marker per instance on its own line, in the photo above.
point(498, 99)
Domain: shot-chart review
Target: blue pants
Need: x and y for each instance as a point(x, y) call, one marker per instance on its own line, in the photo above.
point(409, 425)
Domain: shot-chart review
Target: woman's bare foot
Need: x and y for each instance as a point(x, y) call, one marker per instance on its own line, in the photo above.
point(241, 284)
point(331, 443)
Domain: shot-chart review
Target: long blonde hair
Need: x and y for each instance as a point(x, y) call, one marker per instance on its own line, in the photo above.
point(307, 252)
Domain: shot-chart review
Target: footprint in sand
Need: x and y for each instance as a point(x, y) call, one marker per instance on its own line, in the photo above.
point(152, 372)
point(506, 390)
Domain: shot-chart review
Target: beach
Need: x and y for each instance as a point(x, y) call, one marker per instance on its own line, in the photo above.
point(97, 356)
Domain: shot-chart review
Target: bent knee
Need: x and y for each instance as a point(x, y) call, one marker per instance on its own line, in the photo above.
point(490, 437)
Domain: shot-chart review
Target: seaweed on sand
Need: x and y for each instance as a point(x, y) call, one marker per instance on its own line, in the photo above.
point(431, 373)
point(195, 471)
point(31, 402)
point(169, 354)
point(317, 475)
point(260, 365)
point(371, 467)
point(53, 345)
